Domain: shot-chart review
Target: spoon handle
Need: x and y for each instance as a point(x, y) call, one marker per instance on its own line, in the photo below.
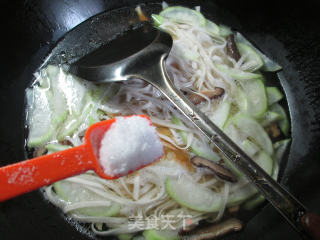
point(282, 200)
point(28, 175)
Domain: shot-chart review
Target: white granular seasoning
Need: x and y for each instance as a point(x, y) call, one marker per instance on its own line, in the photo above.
point(129, 144)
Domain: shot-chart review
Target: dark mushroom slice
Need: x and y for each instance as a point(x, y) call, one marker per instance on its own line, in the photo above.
point(214, 231)
point(220, 171)
point(211, 94)
point(232, 50)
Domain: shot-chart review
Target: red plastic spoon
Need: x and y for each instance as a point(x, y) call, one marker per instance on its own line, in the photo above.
point(32, 174)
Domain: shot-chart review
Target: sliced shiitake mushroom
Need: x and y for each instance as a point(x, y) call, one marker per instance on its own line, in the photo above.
point(211, 94)
point(220, 171)
point(214, 231)
point(232, 50)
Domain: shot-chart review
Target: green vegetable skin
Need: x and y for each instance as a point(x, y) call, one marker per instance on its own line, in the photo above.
point(196, 147)
point(269, 117)
point(274, 95)
point(284, 122)
point(54, 147)
point(252, 55)
point(236, 73)
point(191, 195)
point(183, 15)
point(269, 65)
point(62, 111)
point(257, 103)
point(39, 108)
point(212, 28)
point(125, 236)
point(73, 193)
point(280, 149)
point(253, 129)
point(220, 115)
point(53, 80)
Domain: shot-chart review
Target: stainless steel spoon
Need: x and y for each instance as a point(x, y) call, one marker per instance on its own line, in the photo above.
point(141, 53)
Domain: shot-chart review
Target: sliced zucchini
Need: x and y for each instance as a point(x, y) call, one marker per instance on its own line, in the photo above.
point(55, 147)
point(235, 135)
point(73, 122)
point(250, 127)
point(274, 95)
point(236, 73)
point(183, 15)
point(41, 127)
point(255, 91)
point(253, 60)
point(65, 95)
point(284, 122)
point(221, 113)
point(254, 202)
point(192, 195)
point(109, 91)
point(241, 99)
point(204, 150)
point(86, 114)
point(157, 19)
point(269, 117)
point(58, 102)
point(197, 146)
point(249, 147)
point(214, 31)
point(76, 92)
point(269, 65)
point(212, 28)
point(74, 193)
point(242, 194)
point(264, 161)
point(224, 30)
point(246, 131)
point(125, 236)
point(152, 234)
point(280, 148)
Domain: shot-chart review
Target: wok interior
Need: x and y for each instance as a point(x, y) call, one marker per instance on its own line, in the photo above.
point(46, 217)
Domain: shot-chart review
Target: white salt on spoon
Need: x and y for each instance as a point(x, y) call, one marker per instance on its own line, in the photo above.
point(128, 145)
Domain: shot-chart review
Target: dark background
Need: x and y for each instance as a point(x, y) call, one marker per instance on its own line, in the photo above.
point(289, 32)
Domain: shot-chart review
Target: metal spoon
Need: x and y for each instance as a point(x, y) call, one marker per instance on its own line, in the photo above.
point(141, 53)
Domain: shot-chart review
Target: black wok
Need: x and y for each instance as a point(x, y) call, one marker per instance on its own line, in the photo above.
point(32, 28)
